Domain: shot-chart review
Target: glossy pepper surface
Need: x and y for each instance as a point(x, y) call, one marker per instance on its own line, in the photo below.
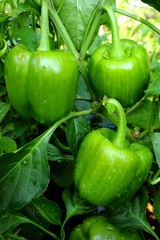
point(121, 69)
point(41, 84)
point(109, 170)
point(99, 228)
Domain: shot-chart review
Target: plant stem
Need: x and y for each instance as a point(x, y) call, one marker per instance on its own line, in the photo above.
point(50, 131)
point(4, 47)
point(116, 51)
point(119, 140)
point(60, 145)
point(145, 22)
point(44, 38)
point(90, 31)
point(156, 178)
point(45, 230)
point(13, 236)
point(60, 6)
point(62, 30)
point(69, 44)
point(62, 229)
point(113, 119)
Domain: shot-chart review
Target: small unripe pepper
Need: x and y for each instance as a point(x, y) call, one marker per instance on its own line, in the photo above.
point(99, 228)
point(41, 84)
point(119, 70)
point(109, 169)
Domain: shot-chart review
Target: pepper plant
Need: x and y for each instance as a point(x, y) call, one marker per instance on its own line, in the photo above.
point(79, 112)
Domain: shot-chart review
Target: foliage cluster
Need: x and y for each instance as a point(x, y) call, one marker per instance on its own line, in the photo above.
point(38, 199)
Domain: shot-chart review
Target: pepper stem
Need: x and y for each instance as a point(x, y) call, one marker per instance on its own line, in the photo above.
point(119, 140)
point(44, 36)
point(116, 51)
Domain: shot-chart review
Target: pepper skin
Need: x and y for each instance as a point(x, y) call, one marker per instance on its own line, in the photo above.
point(43, 84)
point(120, 70)
point(15, 72)
point(52, 84)
point(109, 170)
point(99, 228)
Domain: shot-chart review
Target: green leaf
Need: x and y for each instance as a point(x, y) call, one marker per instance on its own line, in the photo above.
point(82, 92)
point(12, 221)
point(156, 206)
point(155, 139)
point(98, 41)
point(22, 7)
point(54, 154)
point(2, 91)
point(132, 216)
point(76, 130)
point(17, 128)
point(4, 108)
point(153, 3)
point(7, 144)
point(75, 205)
point(20, 126)
point(30, 231)
point(26, 36)
point(154, 88)
point(141, 114)
point(49, 210)
point(83, 96)
point(75, 16)
point(27, 6)
point(63, 173)
point(24, 175)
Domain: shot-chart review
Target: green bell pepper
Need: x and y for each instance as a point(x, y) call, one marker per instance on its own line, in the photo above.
point(120, 70)
point(41, 84)
point(99, 228)
point(109, 169)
